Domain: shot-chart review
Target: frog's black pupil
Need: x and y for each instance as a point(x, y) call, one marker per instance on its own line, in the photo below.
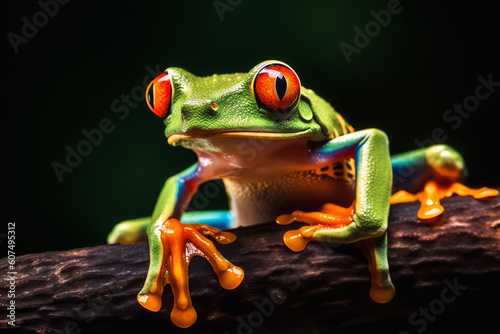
point(280, 86)
point(150, 96)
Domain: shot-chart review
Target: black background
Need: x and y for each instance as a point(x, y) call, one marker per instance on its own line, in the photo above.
point(65, 79)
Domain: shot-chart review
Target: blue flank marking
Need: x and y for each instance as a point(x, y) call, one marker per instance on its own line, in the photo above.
point(222, 219)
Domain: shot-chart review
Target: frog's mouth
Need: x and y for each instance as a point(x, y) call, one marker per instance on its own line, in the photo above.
point(175, 137)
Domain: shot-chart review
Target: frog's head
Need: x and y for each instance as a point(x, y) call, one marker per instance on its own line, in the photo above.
point(267, 102)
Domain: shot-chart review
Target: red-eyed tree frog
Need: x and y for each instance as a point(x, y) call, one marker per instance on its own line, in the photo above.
point(284, 155)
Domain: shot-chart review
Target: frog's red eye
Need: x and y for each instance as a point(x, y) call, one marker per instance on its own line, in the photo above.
point(159, 95)
point(277, 88)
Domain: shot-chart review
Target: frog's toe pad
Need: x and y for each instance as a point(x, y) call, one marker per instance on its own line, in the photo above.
point(183, 318)
point(403, 196)
point(382, 294)
point(430, 210)
point(485, 193)
point(296, 241)
point(150, 301)
point(231, 278)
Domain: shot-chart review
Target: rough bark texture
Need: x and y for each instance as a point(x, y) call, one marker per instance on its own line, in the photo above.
point(446, 274)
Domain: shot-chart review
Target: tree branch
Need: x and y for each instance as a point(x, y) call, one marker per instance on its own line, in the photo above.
point(446, 274)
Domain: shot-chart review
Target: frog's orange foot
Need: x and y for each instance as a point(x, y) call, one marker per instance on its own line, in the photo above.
point(330, 216)
point(180, 243)
point(433, 192)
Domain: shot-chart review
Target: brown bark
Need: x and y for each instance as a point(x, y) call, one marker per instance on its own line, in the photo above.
point(446, 274)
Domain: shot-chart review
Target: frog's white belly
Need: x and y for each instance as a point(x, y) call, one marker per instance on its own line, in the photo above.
point(259, 200)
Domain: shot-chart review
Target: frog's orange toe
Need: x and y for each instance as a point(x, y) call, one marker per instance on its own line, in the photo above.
point(382, 294)
point(403, 196)
point(150, 301)
point(183, 317)
point(430, 211)
point(285, 219)
point(295, 240)
point(231, 278)
point(485, 192)
point(330, 216)
point(229, 275)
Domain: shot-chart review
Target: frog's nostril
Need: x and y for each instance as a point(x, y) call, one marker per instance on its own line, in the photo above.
point(214, 106)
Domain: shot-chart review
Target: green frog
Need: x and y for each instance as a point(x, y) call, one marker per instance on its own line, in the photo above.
point(284, 155)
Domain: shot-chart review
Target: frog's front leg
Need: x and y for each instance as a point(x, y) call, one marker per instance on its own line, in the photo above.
point(172, 244)
point(365, 222)
point(427, 175)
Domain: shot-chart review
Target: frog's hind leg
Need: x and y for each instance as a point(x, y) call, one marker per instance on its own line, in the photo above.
point(428, 175)
point(134, 230)
point(129, 231)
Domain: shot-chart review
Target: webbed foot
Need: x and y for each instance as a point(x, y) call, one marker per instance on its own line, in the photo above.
point(432, 194)
point(330, 217)
point(180, 243)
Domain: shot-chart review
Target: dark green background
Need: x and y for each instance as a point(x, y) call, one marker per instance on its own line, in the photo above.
point(66, 78)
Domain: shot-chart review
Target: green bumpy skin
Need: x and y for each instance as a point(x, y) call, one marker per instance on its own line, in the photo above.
point(279, 148)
